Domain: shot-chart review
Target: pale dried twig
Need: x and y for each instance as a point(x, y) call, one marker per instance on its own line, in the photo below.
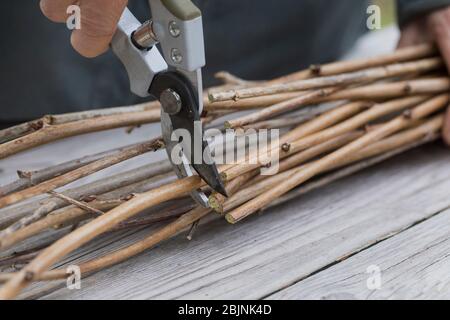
point(313, 147)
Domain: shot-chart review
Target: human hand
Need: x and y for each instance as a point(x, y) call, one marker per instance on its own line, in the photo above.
point(434, 27)
point(99, 20)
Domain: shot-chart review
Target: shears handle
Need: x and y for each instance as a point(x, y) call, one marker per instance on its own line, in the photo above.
point(176, 25)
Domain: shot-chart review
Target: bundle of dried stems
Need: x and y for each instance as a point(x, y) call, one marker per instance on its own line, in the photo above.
point(337, 119)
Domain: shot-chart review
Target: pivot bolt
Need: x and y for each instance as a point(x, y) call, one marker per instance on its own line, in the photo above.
point(170, 101)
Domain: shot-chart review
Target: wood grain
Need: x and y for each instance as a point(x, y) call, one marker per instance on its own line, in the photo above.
point(414, 264)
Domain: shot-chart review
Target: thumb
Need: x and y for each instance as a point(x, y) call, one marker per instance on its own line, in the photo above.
point(439, 24)
point(413, 34)
point(99, 20)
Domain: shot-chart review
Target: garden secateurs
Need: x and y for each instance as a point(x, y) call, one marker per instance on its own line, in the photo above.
point(174, 78)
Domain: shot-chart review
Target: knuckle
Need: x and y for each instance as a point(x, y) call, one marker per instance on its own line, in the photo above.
point(83, 46)
point(101, 21)
point(97, 27)
point(45, 7)
point(48, 10)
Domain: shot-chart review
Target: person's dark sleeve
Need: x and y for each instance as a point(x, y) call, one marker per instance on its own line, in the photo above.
point(409, 9)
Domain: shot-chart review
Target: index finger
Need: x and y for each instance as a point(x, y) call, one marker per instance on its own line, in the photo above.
point(99, 20)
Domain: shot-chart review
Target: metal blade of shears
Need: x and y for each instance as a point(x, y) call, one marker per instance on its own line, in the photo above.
point(181, 126)
point(207, 168)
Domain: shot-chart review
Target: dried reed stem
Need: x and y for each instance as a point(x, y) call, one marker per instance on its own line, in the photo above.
point(30, 178)
point(49, 133)
point(392, 146)
point(332, 133)
point(368, 75)
point(401, 55)
point(35, 125)
point(321, 165)
point(80, 172)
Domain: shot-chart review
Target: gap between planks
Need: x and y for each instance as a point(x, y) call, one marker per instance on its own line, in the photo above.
point(412, 264)
point(318, 273)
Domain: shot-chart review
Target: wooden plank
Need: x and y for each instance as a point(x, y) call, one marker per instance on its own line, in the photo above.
point(100, 246)
point(267, 253)
point(414, 264)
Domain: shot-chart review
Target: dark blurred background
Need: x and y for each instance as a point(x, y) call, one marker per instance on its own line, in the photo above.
point(254, 39)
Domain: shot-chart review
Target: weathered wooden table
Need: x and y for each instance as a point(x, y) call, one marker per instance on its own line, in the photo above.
point(382, 233)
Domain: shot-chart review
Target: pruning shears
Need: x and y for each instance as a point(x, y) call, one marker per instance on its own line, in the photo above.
point(174, 78)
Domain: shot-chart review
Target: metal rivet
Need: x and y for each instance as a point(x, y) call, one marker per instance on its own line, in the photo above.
point(174, 29)
point(144, 37)
point(176, 55)
point(170, 101)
